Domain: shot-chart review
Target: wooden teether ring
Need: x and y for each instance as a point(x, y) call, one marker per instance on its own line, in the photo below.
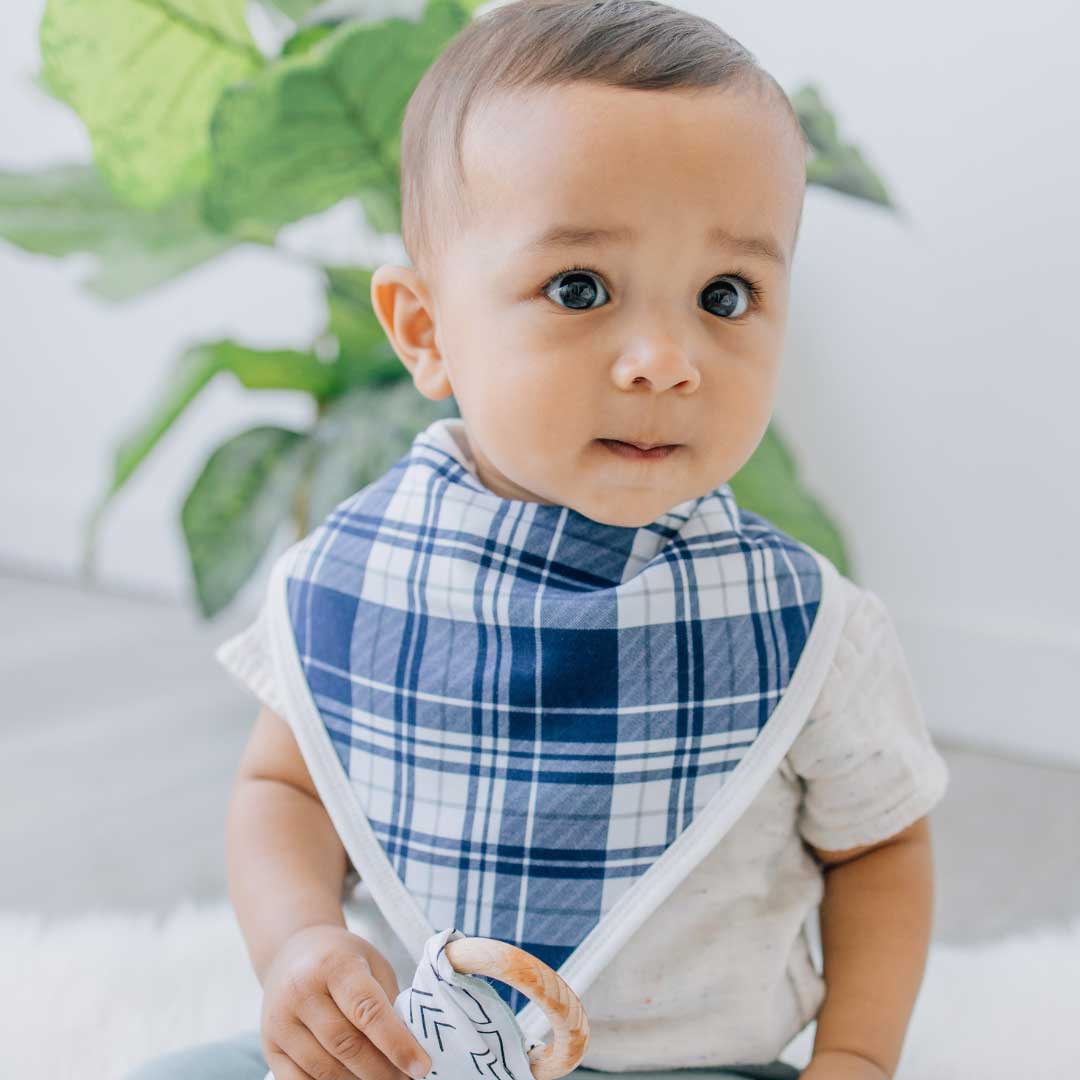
point(538, 982)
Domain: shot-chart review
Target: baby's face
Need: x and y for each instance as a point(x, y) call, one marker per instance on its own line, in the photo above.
point(657, 337)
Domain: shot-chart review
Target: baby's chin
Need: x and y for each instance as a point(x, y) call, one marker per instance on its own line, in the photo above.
point(629, 511)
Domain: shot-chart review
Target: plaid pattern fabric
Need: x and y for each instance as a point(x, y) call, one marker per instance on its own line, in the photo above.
point(531, 705)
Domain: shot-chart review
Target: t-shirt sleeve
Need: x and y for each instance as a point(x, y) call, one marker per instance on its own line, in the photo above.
point(247, 656)
point(865, 756)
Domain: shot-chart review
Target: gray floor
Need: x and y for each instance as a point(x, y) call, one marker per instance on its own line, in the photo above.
point(120, 735)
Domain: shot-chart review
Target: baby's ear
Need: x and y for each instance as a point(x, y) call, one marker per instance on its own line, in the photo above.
point(405, 309)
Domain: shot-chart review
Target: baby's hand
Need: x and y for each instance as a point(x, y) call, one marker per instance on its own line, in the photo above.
point(328, 1011)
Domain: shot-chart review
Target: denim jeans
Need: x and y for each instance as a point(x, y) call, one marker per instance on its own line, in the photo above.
point(240, 1058)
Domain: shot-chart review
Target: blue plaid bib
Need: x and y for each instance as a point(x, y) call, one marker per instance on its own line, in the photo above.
point(516, 713)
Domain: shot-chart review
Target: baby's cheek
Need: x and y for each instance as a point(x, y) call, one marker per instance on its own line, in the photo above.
point(542, 409)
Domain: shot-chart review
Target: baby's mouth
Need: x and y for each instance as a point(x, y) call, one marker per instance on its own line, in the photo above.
point(636, 451)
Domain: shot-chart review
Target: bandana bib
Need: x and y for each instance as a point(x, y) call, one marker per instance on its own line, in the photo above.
point(529, 725)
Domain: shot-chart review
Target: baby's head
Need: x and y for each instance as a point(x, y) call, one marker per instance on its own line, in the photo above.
point(600, 200)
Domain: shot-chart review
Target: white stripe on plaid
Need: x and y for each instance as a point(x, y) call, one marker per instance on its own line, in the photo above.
point(532, 706)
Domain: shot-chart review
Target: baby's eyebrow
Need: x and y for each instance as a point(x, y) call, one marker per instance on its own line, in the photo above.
point(563, 236)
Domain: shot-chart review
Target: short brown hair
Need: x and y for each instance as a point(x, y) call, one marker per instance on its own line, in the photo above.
point(633, 44)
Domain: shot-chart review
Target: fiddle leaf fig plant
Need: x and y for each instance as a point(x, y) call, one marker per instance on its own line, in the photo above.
point(201, 141)
point(323, 124)
point(145, 79)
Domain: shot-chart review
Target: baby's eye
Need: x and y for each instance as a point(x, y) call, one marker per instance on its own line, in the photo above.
point(721, 298)
point(575, 289)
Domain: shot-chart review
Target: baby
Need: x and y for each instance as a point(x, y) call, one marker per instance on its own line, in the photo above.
point(601, 202)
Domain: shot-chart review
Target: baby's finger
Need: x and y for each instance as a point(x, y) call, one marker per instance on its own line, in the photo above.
point(344, 1041)
point(284, 1068)
point(384, 973)
point(363, 1002)
point(302, 1057)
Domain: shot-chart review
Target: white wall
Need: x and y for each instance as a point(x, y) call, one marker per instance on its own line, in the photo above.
point(931, 379)
point(930, 376)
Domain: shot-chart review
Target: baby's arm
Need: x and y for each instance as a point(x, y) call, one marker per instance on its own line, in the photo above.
point(286, 864)
point(875, 932)
point(328, 994)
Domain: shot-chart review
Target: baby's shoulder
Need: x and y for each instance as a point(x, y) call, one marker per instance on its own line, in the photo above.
point(868, 638)
point(868, 664)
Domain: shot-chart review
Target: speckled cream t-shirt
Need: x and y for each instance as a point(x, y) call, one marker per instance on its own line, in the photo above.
point(727, 970)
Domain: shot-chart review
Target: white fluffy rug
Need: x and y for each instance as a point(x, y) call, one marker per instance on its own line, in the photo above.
point(89, 998)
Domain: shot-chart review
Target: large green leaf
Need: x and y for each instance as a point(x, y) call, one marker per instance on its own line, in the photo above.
point(275, 369)
point(257, 369)
point(768, 484)
point(316, 127)
point(65, 209)
point(365, 355)
point(360, 435)
point(144, 76)
point(835, 164)
point(244, 493)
